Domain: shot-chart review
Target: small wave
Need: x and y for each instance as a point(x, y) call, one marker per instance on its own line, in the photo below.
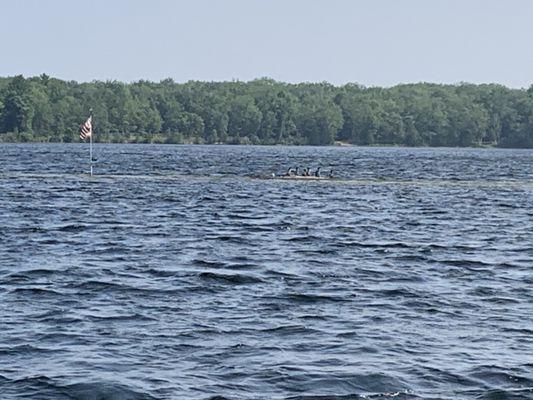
point(400, 292)
point(310, 298)
point(502, 300)
point(432, 374)
point(36, 291)
point(374, 396)
point(70, 228)
point(377, 244)
point(127, 317)
point(25, 349)
point(153, 234)
point(51, 241)
point(228, 239)
point(372, 385)
point(161, 273)
point(28, 229)
point(29, 274)
point(244, 216)
point(470, 264)
point(234, 279)
point(410, 258)
point(482, 291)
point(519, 331)
point(208, 264)
point(500, 394)
point(496, 377)
point(288, 330)
point(311, 252)
point(97, 285)
point(305, 238)
point(327, 397)
point(45, 388)
point(103, 390)
point(120, 249)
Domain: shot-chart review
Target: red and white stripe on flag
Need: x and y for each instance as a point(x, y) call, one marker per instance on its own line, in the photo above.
point(86, 129)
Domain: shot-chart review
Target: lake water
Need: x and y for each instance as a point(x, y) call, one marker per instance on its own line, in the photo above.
point(182, 272)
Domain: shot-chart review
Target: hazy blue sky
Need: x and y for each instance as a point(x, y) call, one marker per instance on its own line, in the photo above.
point(373, 42)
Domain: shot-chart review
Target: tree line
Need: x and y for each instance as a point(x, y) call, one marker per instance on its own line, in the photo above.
point(265, 111)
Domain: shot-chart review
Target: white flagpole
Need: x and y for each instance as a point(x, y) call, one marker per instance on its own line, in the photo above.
point(91, 142)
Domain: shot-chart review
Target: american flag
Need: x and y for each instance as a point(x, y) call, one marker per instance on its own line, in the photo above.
point(86, 130)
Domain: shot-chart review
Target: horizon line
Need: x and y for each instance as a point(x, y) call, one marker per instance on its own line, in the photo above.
point(266, 78)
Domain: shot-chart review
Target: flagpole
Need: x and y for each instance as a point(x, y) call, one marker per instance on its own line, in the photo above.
point(91, 142)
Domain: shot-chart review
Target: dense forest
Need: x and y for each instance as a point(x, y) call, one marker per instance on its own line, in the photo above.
point(265, 111)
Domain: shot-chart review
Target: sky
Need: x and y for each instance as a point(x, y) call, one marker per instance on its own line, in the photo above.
point(370, 42)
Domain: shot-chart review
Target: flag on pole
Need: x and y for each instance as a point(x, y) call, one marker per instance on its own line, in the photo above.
point(86, 130)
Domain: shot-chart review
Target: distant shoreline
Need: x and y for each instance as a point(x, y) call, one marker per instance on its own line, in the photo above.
point(335, 145)
point(267, 112)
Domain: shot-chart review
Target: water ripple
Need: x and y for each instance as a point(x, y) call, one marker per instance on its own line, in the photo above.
point(409, 277)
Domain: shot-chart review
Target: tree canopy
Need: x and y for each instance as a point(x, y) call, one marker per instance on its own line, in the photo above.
point(265, 111)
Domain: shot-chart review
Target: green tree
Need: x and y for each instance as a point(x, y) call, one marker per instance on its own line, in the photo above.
point(18, 110)
point(244, 118)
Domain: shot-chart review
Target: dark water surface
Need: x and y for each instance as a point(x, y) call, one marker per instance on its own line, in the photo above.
point(179, 273)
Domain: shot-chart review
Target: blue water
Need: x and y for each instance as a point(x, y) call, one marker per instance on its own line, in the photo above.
point(184, 272)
